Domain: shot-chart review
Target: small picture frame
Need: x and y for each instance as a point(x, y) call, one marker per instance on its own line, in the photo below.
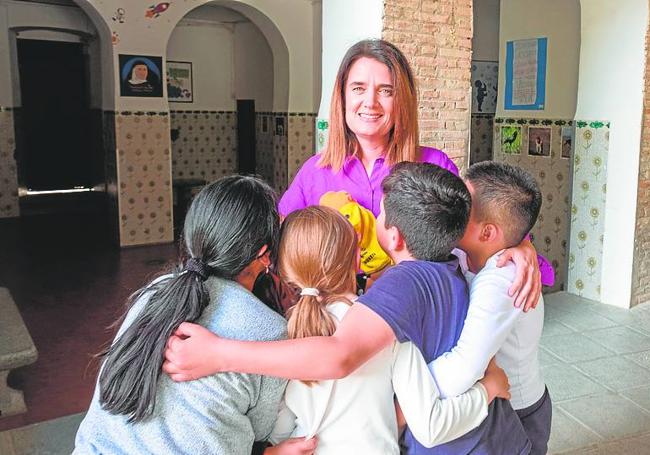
point(179, 82)
point(511, 140)
point(539, 141)
point(140, 76)
point(265, 124)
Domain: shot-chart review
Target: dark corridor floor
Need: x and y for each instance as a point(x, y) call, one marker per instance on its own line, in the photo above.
point(70, 283)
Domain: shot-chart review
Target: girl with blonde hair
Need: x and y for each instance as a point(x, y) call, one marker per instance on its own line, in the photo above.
point(318, 256)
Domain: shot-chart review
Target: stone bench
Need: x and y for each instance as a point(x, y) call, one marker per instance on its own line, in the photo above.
point(16, 350)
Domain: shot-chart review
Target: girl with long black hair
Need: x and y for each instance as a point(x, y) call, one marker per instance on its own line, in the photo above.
point(230, 232)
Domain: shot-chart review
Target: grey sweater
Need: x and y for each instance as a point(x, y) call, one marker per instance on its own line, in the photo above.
point(220, 414)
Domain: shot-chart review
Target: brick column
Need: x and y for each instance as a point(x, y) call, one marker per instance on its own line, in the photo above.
point(436, 37)
point(641, 265)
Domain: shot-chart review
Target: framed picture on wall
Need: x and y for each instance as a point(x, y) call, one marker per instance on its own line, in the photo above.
point(179, 82)
point(539, 141)
point(485, 77)
point(265, 124)
point(140, 76)
point(511, 140)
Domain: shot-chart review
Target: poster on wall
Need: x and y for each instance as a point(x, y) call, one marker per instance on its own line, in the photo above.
point(485, 76)
point(279, 126)
point(179, 82)
point(539, 141)
point(140, 76)
point(526, 74)
point(511, 140)
point(567, 141)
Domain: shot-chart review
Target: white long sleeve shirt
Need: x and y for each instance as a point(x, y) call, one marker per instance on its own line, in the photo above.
point(494, 326)
point(356, 414)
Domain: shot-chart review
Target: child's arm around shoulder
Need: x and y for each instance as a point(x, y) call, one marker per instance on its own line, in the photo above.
point(490, 319)
point(194, 352)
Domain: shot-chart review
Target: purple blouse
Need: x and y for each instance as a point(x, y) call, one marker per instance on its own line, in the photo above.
point(312, 181)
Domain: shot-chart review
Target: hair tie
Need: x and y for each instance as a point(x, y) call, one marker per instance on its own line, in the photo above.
point(310, 291)
point(198, 267)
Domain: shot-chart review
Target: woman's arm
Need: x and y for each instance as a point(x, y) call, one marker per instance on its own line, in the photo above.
point(434, 420)
point(527, 286)
point(195, 352)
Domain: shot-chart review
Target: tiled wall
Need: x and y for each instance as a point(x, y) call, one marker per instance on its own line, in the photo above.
point(588, 208)
point(301, 141)
point(264, 132)
point(481, 138)
point(8, 175)
point(280, 147)
point(110, 172)
point(553, 173)
point(144, 178)
point(206, 144)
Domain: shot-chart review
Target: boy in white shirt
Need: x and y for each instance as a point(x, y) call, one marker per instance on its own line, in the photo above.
point(505, 204)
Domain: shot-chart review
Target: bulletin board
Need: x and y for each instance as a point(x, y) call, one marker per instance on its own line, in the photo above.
point(526, 74)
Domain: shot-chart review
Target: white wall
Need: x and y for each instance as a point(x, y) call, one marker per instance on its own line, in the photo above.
point(209, 47)
point(344, 23)
point(253, 66)
point(485, 42)
point(612, 62)
point(559, 21)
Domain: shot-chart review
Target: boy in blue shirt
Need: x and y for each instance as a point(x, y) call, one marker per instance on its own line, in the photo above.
point(423, 299)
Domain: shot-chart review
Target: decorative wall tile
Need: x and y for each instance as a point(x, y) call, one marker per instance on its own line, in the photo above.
point(551, 232)
point(8, 174)
point(110, 172)
point(588, 208)
point(301, 142)
point(144, 178)
point(481, 138)
point(204, 145)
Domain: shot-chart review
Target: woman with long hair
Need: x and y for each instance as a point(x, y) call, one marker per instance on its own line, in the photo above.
point(230, 231)
point(374, 125)
point(356, 414)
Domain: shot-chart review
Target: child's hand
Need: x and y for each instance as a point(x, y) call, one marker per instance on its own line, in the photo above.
point(190, 353)
point(495, 382)
point(293, 446)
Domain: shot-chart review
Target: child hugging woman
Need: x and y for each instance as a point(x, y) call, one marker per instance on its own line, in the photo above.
point(357, 414)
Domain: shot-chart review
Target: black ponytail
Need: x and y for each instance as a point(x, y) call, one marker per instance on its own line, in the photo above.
point(227, 224)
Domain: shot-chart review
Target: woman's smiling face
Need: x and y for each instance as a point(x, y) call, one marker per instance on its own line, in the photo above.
point(369, 95)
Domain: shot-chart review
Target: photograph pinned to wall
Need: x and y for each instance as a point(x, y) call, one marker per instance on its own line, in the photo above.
point(567, 141)
point(485, 76)
point(265, 124)
point(525, 74)
point(279, 126)
point(511, 140)
point(539, 141)
point(140, 76)
point(179, 82)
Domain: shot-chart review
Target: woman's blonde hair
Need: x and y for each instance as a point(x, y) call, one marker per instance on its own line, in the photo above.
point(318, 249)
point(403, 142)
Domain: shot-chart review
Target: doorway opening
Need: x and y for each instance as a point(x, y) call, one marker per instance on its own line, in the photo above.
point(57, 169)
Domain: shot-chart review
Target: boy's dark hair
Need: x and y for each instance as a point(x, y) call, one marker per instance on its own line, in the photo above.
point(429, 206)
point(507, 196)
